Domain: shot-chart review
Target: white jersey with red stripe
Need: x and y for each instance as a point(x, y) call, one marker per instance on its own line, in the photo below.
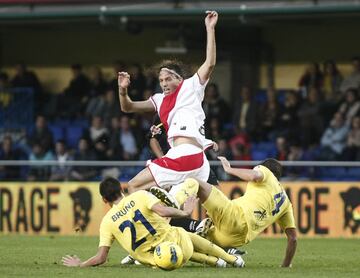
point(181, 112)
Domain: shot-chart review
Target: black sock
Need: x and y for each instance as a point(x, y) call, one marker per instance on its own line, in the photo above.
point(187, 223)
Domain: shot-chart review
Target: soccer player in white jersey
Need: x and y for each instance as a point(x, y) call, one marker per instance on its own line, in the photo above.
point(180, 111)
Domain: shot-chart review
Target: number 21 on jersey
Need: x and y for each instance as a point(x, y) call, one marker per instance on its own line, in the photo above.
point(128, 224)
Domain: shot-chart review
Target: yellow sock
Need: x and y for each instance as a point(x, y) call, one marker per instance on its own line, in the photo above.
point(202, 245)
point(203, 259)
point(183, 191)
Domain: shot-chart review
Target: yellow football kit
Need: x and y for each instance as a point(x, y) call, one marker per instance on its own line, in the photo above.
point(239, 221)
point(139, 230)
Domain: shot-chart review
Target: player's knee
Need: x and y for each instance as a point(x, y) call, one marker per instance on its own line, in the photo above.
point(132, 185)
point(292, 237)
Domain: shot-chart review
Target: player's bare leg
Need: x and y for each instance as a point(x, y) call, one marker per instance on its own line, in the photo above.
point(142, 181)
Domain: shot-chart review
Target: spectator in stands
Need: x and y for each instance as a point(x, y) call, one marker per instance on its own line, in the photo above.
point(105, 106)
point(353, 80)
point(268, 117)
point(75, 96)
point(41, 134)
point(352, 148)
point(332, 82)
point(350, 106)
point(4, 82)
point(28, 79)
point(214, 106)
point(127, 139)
point(152, 82)
point(240, 152)
point(333, 140)
point(138, 83)
point(97, 131)
point(297, 153)
point(39, 153)
point(282, 149)
point(311, 122)
point(214, 130)
point(84, 153)
point(225, 151)
point(98, 85)
point(9, 152)
point(312, 77)
point(246, 114)
point(115, 151)
point(61, 172)
point(288, 116)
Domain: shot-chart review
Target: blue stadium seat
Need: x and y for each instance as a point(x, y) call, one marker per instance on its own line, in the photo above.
point(354, 173)
point(266, 146)
point(73, 134)
point(258, 154)
point(58, 132)
point(260, 96)
point(332, 173)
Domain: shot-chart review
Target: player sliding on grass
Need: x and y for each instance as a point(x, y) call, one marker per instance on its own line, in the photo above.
point(137, 222)
point(179, 108)
point(237, 222)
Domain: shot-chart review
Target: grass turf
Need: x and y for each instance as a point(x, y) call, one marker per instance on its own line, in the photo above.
point(40, 256)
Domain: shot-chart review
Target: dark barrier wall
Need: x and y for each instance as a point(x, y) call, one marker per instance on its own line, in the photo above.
point(321, 209)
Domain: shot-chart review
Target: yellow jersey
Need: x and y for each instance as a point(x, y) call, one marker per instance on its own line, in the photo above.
point(135, 226)
point(264, 203)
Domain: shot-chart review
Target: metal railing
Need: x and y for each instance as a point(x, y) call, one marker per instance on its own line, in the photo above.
point(143, 163)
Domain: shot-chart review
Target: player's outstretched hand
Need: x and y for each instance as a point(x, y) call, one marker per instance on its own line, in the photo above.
point(123, 79)
point(155, 129)
point(190, 204)
point(71, 261)
point(225, 163)
point(211, 19)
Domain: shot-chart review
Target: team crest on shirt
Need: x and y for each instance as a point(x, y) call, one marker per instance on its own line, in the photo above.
point(202, 130)
point(260, 215)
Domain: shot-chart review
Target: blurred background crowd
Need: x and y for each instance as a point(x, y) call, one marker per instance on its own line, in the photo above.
point(319, 121)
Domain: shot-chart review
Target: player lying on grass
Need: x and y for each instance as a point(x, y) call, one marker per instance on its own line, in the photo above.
point(237, 222)
point(137, 222)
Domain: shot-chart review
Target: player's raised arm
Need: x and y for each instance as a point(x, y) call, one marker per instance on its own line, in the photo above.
point(244, 174)
point(98, 259)
point(207, 67)
point(126, 104)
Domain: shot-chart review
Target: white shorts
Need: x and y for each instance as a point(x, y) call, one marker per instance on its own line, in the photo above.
point(180, 162)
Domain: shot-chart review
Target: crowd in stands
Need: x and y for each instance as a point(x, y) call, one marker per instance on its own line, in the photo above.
point(319, 121)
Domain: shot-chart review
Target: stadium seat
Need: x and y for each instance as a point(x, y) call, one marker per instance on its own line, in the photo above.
point(332, 173)
point(58, 132)
point(258, 154)
point(353, 173)
point(73, 134)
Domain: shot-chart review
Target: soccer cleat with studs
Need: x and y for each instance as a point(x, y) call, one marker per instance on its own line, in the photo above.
point(203, 228)
point(239, 262)
point(164, 197)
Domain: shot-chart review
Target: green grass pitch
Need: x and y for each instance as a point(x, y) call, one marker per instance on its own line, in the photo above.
point(40, 256)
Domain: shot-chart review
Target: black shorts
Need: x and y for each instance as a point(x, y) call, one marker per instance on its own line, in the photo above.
point(212, 178)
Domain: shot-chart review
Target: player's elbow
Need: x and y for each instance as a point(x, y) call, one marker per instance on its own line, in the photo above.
point(126, 108)
point(101, 259)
